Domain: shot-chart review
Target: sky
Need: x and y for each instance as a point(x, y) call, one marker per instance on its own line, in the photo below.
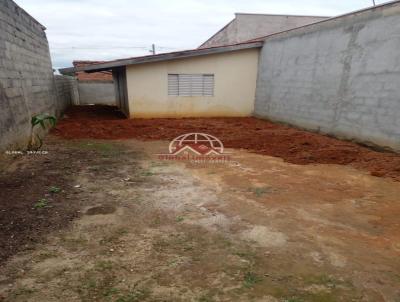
point(113, 29)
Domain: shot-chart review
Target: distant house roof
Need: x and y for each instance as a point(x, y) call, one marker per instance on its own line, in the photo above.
point(94, 76)
point(245, 27)
point(162, 57)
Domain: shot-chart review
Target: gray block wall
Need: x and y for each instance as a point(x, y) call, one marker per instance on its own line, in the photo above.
point(340, 77)
point(250, 26)
point(96, 92)
point(27, 86)
point(66, 88)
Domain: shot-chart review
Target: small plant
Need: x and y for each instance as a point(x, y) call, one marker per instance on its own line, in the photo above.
point(179, 219)
point(104, 265)
point(53, 189)
point(41, 203)
point(42, 120)
point(147, 173)
point(250, 279)
point(206, 298)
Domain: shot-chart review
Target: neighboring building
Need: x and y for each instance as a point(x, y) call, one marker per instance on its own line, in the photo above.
point(219, 81)
point(246, 27)
point(96, 87)
point(94, 76)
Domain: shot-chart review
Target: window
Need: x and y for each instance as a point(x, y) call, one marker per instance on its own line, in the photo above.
point(191, 84)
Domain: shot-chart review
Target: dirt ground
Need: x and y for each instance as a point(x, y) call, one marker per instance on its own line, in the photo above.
point(251, 134)
point(125, 226)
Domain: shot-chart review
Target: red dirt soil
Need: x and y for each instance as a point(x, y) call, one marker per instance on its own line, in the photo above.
point(252, 134)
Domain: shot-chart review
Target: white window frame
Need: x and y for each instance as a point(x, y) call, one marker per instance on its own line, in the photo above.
point(191, 85)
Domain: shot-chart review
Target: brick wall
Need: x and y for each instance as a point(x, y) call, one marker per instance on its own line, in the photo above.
point(27, 85)
point(93, 76)
point(340, 77)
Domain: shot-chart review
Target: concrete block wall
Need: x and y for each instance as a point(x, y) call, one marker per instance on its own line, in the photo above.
point(66, 88)
point(27, 85)
point(341, 77)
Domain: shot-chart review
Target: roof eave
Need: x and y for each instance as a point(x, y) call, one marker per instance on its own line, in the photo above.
point(162, 57)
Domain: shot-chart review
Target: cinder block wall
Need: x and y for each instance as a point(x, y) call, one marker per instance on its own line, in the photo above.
point(341, 77)
point(27, 85)
point(66, 88)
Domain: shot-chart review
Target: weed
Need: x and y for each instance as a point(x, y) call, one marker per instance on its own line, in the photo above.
point(41, 203)
point(246, 255)
point(206, 298)
point(104, 265)
point(156, 221)
point(109, 292)
point(259, 191)
point(312, 297)
point(53, 189)
point(179, 219)
point(146, 173)
point(105, 149)
point(321, 280)
point(22, 291)
point(250, 279)
point(46, 255)
point(135, 295)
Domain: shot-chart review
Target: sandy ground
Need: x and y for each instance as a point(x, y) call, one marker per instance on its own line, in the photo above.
point(254, 229)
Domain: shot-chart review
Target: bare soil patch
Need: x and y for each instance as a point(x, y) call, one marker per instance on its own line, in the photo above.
point(255, 229)
point(35, 199)
point(40, 193)
point(255, 135)
point(100, 210)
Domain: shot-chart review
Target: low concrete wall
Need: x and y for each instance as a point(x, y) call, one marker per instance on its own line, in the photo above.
point(27, 84)
point(96, 92)
point(341, 77)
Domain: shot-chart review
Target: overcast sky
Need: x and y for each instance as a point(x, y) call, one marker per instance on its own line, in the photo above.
point(111, 29)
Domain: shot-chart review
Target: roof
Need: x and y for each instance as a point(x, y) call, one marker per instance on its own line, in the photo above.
point(94, 76)
point(163, 57)
point(283, 15)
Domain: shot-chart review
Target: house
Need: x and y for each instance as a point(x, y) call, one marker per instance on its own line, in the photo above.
point(215, 81)
point(245, 27)
point(338, 76)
